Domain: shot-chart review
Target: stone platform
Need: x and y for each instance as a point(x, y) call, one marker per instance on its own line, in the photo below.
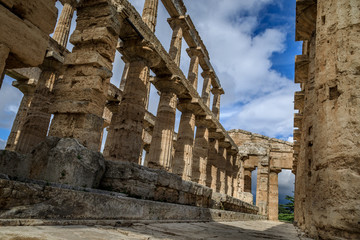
point(20, 201)
point(249, 230)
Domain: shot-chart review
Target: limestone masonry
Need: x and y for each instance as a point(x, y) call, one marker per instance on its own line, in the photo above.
point(52, 171)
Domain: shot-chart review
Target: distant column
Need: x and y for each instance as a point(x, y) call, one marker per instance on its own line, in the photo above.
point(62, 30)
point(229, 172)
point(221, 164)
point(247, 179)
point(262, 188)
point(273, 195)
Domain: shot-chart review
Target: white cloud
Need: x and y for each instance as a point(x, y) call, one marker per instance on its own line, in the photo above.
point(10, 98)
point(2, 144)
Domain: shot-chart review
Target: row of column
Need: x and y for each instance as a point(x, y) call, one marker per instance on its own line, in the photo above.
point(77, 99)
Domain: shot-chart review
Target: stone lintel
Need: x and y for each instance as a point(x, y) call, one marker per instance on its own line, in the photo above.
point(114, 93)
point(305, 19)
point(301, 68)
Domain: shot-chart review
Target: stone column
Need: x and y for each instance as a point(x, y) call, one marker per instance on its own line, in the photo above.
point(207, 75)
point(273, 207)
point(238, 175)
point(62, 30)
point(221, 165)
point(162, 140)
point(216, 103)
point(211, 170)
point(200, 157)
point(81, 95)
point(183, 160)
point(263, 185)
point(4, 53)
point(124, 141)
point(247, 179)
point(27, 88)
point(149, 14)
point(182, 165)
point(36, 123)
point(229, 172)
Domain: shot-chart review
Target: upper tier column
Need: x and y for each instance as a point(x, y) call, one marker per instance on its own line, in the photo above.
point(162, 140)
point(80, 96)
point(216, 103)
point(62, 30)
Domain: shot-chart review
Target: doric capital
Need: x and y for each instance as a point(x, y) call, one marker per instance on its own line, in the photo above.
point(192, 52)
point(177, 21)
point(218, 91)
point(208, 74)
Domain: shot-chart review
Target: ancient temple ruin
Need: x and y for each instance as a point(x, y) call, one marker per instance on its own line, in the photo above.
point(52, 169)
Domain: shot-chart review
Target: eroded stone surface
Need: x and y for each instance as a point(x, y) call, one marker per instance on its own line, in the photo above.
point(252, 230)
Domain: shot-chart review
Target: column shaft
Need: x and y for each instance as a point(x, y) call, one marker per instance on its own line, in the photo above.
point(163, 134)
point(36, 123)
point(149, 14)
point(80, 96)
point(184, 146)
point(273, 196)
point(229, 174)
point(221, 164)
point(175, 46)
point(263, 185)
point(200, 156)
point(216, 106)
point(124, 141)
point(206, 88)
point(19, 121)
point(212, 174)
point(62, 30)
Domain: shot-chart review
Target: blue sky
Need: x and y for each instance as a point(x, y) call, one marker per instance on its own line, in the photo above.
point(252, 48)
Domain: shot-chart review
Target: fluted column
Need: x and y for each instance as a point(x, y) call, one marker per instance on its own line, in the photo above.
point(162, 139)
point(200, 156)
point(273, 195)
point(4, 53)
point(212, 172)
point(229, 172)
point(216, 103)
point(36, 123)
point(183, 160)
point(221, 164)
point(205, 95)
point(262, 188)
point(62, 30)
point(149, 14)
point(124, 141)
point(161, 147)
point(124, 75)
point(27, 88)
point(81, 95)
point(237, 177)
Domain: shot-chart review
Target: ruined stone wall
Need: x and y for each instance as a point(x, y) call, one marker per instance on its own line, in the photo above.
point(269, 156)
point(328, 128)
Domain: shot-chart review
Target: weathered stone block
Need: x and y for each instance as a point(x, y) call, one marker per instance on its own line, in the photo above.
point(66, 161)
